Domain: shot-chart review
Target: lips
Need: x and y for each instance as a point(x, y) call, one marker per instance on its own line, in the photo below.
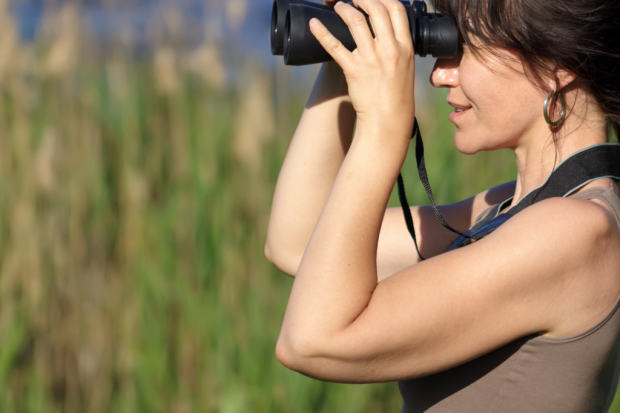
point(459, 110)
point(458, 106)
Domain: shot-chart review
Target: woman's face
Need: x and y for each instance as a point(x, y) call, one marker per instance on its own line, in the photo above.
point(496, 105)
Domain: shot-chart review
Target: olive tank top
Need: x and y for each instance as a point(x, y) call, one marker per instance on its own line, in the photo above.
point(575, 374)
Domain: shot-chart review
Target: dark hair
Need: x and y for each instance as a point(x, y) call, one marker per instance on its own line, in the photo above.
point(577, 35)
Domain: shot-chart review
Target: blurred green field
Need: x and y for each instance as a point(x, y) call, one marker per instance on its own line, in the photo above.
point(134, 199)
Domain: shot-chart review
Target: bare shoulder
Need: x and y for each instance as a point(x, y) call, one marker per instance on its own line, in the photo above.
point(574, 232)
point(575, 243)
point(588, 223)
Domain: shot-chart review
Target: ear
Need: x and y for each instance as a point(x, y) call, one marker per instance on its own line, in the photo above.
point(565, 77)
point(549, 77)
point(562, 76)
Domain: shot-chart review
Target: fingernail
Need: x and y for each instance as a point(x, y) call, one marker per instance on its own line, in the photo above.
point(338, 4)
point(314, 22)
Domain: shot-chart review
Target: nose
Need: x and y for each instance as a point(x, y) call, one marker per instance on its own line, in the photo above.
point(445, 73)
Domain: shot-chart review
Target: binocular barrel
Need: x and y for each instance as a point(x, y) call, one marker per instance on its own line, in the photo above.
point(290, 35)
point(278, 18)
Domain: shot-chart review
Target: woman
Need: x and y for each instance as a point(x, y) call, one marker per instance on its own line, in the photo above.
point(524, 319)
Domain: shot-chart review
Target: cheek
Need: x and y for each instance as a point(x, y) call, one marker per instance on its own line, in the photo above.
point(503, 110)
point(491, 113)
point(492, 98)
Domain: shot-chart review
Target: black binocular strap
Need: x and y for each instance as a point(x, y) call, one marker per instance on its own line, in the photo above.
point(594, 162)
point(419, 156)
point(587, 165)
point(579, 169)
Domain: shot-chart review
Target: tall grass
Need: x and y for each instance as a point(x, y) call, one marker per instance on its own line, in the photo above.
point(134, 198)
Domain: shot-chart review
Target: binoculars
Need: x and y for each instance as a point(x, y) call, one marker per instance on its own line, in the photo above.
point(431, 33)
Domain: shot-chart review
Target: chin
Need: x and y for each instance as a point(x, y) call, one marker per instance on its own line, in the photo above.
point(473, 142)
point(466, 146)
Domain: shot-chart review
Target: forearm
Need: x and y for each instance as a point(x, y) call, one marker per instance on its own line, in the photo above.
point(314, 157)
point(338, 274)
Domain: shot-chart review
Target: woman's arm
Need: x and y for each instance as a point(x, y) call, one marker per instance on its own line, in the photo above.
point(552, 269)
point(315, 155)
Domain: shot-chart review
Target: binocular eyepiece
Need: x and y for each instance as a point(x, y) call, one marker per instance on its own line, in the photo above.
point(431, 33)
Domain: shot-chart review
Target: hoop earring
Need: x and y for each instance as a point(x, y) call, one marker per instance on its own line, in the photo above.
point(546, 109)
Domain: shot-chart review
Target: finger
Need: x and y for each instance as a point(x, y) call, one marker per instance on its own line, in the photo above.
point(333, 46)
point(381, 22)
point(400, 21)
point(358, 26)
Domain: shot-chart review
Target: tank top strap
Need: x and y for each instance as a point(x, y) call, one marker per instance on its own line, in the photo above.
point(611, 196)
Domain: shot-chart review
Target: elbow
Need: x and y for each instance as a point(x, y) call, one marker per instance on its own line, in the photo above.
point(284, 354)
point(320, 359)
point(268, 252)
point(286, 261)
point(294, 354)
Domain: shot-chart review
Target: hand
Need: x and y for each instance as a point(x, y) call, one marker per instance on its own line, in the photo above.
point(380, 73)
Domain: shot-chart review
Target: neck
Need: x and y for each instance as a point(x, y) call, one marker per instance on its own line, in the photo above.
point(537, 155)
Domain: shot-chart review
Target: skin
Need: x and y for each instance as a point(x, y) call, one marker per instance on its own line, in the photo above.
point(362, 309)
